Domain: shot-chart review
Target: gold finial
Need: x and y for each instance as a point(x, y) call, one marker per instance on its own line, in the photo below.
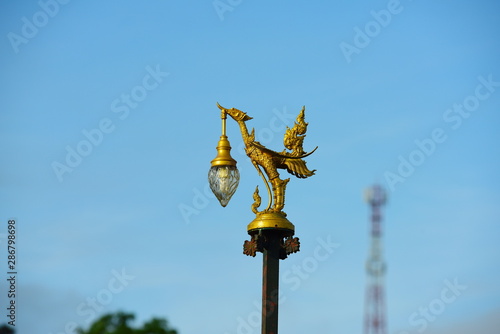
point(257, 200)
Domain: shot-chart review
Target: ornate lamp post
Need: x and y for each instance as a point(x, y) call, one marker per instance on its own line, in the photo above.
point(271, 232)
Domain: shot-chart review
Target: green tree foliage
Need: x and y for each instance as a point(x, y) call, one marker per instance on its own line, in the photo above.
point(118, 323)
point(4, 329)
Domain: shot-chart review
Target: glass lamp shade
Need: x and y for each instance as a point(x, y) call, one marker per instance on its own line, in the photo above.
point(223, 181)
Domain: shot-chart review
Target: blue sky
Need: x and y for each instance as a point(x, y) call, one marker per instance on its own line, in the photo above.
point(109, 123)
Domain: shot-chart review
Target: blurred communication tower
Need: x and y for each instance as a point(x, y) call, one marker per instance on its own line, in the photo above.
point(375, 320)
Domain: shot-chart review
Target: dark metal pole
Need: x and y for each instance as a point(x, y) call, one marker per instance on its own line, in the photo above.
point(275, 245)
point(270, 282)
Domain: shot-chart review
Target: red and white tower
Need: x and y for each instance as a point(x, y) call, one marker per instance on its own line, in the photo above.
point(375, 320)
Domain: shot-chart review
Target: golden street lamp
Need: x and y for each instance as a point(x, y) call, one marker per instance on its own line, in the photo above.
point(271, 232)
point(223, 176)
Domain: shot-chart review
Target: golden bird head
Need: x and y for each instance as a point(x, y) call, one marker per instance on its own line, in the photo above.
point(236, 114)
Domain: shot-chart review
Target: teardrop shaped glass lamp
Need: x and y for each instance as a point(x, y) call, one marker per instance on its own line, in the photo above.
point(223, 176)
point(223, 181)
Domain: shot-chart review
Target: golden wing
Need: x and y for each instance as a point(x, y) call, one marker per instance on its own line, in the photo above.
point(297, 167)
